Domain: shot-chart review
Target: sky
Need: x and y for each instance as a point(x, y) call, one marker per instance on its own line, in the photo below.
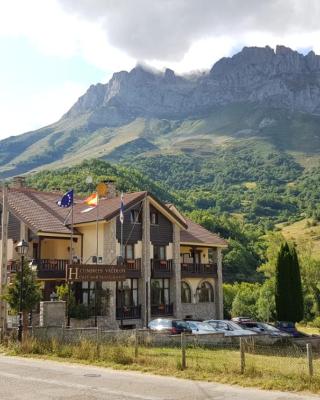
point(51, 51)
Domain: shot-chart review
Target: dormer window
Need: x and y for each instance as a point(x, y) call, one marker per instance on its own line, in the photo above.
point(135, 216)
point(154, 218)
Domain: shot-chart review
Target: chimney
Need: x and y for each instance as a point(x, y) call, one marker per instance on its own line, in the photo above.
point(18, 182)
point(112, 190)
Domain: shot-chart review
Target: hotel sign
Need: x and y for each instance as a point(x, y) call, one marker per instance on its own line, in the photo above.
point(95, 273)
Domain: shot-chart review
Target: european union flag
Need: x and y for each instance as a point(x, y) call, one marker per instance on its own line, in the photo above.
point(66, 200)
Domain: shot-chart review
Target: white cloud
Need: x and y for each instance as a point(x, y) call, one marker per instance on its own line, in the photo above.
point(114, 34)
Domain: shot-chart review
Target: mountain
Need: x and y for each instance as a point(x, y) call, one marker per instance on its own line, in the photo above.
point(272, 97)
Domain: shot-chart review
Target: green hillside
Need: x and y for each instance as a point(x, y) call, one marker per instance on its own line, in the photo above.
point(70, 141)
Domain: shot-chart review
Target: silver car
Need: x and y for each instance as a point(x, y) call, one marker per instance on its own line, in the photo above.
point(229, 328)
point(201, 328)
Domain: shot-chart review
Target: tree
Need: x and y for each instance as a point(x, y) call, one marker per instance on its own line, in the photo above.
point(229, 293)
point(265, 304)
point(288, 288)
point(245, 301)
point(31, 294)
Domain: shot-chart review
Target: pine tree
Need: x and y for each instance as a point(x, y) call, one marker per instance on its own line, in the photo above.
point(288, 288)
point(31, 293)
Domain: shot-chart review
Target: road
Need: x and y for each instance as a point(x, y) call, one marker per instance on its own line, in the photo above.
point(29, 379)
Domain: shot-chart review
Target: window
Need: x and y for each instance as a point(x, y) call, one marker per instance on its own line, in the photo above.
point(129, 252)
point(160, 291)
point(159, 252)
point(88, 293)
point(135, 216)
point(185, 293)
point(205, 293)
point(154, 218)
point(127, 293)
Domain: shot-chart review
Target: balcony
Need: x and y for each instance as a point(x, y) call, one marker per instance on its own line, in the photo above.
point(161, 310)
point(133, 268)
point(56, 269)
point(125, 312)
point(51, 269)
point(161, 268)
point(198, 270)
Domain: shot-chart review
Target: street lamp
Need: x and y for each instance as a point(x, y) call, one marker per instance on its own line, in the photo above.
point(22, 249)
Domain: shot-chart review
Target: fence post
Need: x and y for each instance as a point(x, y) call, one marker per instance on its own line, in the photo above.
point(242, 356)
point(310, 359)
point(183, 351)
point(98, 341)
point(136, 344)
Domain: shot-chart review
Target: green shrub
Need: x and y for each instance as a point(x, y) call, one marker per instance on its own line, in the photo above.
point(315, 323)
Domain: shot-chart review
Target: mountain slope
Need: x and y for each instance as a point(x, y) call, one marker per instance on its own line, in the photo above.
point(258, 93)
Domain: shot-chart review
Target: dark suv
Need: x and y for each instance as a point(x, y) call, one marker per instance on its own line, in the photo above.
point(172, 326)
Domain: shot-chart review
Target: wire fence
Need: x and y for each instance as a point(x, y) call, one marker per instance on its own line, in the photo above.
point(198, 356)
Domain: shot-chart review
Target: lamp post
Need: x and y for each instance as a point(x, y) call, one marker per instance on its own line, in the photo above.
point(22, 249)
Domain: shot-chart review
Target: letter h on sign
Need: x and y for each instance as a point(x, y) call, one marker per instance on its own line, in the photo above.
point(73, 274)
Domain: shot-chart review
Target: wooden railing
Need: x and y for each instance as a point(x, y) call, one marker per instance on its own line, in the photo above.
point(133, 268)
point(198, 270)
point(161, 268)
point(125, 312)
point(51, 268)
point(161, 310)
point(56, 268)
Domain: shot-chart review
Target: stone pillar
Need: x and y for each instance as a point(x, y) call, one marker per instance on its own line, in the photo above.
point(176, 281)
point(145, 291)
point(52, 313)
point(219, 287)
point(110, 258)
point(4, 257)
point(23, 231)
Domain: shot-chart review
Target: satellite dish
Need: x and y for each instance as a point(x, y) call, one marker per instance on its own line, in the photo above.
point(89, 179)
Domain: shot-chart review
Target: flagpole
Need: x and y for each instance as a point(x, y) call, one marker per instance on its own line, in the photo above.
point(122, 258)
point(70, 262)
point(97, 251)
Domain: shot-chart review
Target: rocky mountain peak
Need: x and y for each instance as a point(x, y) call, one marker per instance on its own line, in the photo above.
point(283, 77)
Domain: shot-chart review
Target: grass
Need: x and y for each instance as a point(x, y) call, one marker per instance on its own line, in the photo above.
point(309, 330)
point(302, 232)
point(282, 370)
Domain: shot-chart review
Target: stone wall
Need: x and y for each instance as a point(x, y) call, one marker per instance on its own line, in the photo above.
point(176, 281)
point(52, 313)
point(110, 257)
point(198, 310)
point(144, 283)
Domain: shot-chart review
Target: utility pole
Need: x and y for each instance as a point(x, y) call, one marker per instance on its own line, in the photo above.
point(4, 257)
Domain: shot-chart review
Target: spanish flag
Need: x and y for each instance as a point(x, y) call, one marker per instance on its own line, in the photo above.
point(91, 201)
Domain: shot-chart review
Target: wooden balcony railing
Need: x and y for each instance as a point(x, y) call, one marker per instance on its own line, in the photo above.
point(51, 269)
point(133, 268)
point(161, 310)
point(198, 270)
point(125, 312)
point(161, 268)
point(56, 269)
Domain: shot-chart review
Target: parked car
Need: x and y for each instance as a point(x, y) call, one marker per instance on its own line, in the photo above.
point(172, 326)
point(229, 328)
point(262, 327)
point(289, 327)
point(201, 328)
point(238, 320)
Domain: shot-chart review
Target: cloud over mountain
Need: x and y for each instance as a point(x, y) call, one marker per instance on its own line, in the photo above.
point(165, 30)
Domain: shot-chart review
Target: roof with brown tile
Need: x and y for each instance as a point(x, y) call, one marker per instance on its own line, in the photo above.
point(108, 208)
point(39, 210)
point(199, 235)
